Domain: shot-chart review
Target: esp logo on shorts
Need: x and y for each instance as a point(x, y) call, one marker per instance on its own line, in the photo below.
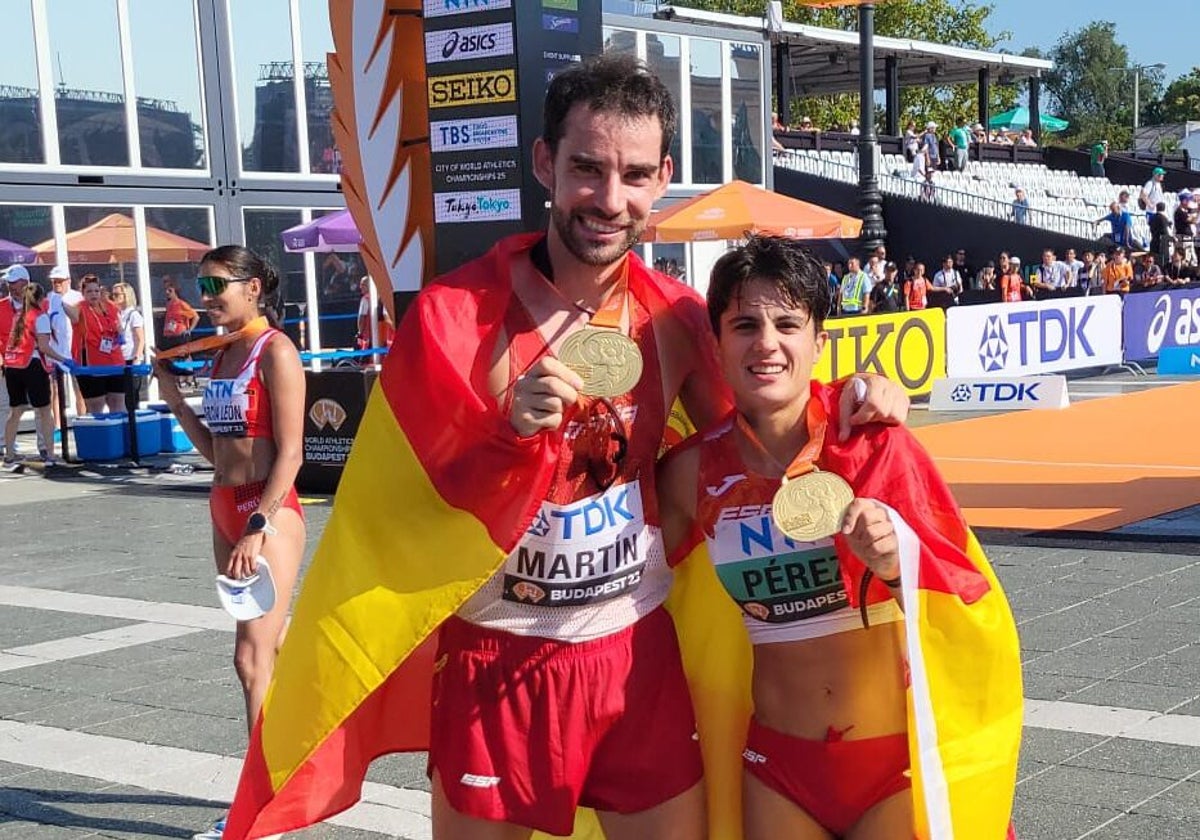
point(327, 413)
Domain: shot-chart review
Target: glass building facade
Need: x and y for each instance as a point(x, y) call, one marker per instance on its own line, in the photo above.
point(209, 120)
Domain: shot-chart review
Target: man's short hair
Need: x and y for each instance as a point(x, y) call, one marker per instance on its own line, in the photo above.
point(610, 83)
point(777, 260)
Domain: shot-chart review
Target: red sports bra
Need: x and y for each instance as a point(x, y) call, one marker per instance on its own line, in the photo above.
point(240, 407)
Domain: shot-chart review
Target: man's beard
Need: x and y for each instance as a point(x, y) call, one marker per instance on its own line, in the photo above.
point(586, 253)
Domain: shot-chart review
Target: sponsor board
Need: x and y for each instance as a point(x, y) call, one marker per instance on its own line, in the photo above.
point(1154, 321)
point(477, 206)
point(990, 394)
point(473, 133)
point(561, 5)
point(560, 23)
point(441, 8)
point(481, 88)
point(1179, 361)
point(1014, 339)
point(475, 169)
point(907, 347)
point(468, 43)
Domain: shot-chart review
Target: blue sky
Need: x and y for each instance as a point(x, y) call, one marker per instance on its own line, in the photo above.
point(1142, 28)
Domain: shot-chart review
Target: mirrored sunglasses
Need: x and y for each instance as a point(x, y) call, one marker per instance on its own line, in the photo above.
point(213, 286)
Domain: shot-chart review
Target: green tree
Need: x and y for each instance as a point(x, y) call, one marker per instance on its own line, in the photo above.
point(1091, 85)
point(1180, 102)
point(959, 23)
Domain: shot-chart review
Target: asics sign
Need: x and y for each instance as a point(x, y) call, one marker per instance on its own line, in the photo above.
point(1008, 339)
point(468, 42)
point(1154, 322)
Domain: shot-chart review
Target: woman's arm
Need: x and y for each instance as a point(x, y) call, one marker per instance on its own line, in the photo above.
point(284, 378)
point(193, 427)
point(193, 317)
point(678, 476)
point(48, 352)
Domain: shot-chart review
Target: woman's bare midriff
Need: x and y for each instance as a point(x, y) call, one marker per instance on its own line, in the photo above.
point(238, 461)
point(852, 682)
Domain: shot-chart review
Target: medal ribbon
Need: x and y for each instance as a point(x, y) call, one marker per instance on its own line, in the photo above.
point(609, 314)
point(215, 342)
point(805, 460)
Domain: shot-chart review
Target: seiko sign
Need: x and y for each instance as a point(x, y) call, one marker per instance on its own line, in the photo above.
point(441, 8)
point(907, 347)
point(954, 394)
point(1037, 337)
point(468, 42)
point(472, 88)
point(468, 134)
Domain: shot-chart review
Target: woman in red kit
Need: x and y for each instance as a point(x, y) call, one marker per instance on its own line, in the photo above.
point(252, 433)
point(827, 752)
point(96, 342)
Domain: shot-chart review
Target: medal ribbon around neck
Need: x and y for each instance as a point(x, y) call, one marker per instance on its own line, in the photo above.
point(608, 361)
point(215, 342)
point(810, 503)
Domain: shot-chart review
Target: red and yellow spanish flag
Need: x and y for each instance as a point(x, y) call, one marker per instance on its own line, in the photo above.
point(412, 535)
point(965, 699)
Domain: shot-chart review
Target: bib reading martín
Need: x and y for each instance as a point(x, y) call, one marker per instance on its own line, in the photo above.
point(596, 556)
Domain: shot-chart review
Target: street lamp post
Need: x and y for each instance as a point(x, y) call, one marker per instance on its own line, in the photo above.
point(870, 200)
point(1137, 100)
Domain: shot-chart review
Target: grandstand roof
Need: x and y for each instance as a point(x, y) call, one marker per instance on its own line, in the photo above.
point(826, 60)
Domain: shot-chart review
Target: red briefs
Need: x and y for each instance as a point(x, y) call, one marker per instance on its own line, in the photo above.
point(526, 728)
point(834, 781)
point(231, 507)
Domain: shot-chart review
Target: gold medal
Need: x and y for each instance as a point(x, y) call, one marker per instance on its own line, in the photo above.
point(811, 506)
point(608, 361)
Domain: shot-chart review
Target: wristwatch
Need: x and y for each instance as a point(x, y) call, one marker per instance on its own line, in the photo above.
point(259, 524)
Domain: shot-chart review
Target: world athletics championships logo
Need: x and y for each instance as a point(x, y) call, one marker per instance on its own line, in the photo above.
point(993, 347)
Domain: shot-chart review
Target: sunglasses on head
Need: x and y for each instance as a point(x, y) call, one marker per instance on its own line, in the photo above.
point(213, 286)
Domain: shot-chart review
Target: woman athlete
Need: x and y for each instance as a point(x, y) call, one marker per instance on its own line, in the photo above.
point(252, 434)
point(827, 753)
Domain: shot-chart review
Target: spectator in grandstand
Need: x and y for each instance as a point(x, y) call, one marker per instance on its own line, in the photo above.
point(806, 124)
point(1120, 223)
point(960, 136)
point(916, 289)
point(910, 264)
point(929, 141)
point(1185, 226)
point(1020, 207)
point(922, 170)
point(875, 268)
point(1099, 156)
point(1000, 138)
point(776, 125)
point(966, 271)
point(1147, 274)
point(1118, 274)
point(1010, 279)
point(985, 280)
point(1050, 278)
point(1152, 191)
point(855, 288)
point(946, 153)
point(834, 297)
point(947, 284)
point(887, 296)
point(1160, 232)
point(911, 141)
point(1178, 272)
point(978, 134)
point(1087, 274)
point(1027, 138)
point(1074, 266)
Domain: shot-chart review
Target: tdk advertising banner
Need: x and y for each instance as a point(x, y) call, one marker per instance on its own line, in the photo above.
point(996, 394)
point(1014, 339)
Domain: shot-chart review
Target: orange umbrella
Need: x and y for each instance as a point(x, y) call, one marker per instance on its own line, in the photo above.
point(111, 240)
point(733, 210)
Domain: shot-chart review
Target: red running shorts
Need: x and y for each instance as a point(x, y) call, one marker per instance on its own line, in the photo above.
point(834, 781)
point(525, 729)
point(230, 507)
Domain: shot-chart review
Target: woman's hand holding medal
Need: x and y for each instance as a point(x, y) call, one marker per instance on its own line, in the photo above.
point(542, 395)
point(870, 534)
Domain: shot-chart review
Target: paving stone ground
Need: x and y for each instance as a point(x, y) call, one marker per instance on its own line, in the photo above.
point(1106, 623)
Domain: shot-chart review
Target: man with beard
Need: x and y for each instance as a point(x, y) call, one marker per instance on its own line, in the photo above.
point(559, 682)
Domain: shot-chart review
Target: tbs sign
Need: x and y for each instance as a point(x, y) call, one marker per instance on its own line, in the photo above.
point(954, 394)
point(1014, 339)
